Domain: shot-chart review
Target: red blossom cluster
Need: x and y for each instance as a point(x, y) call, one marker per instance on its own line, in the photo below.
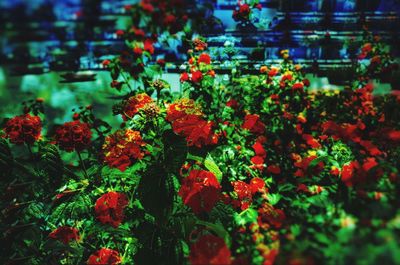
point(104, 256)
point(23, 129)
point(65, 234)
point(253, 123)
point(134, 104)
point(197, 69)
point(209, 249)
point(186, 118)
point(200, 191)
point(73, 136)
point(243, 192)
point(109, 208)
point(122, 148)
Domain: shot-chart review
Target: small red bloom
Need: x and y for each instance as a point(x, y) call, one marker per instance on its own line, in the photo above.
point(120, 33)
point(134, 104)
point(109, 208)
point(257, 184)
point(253, 123)
point(268, 214)
point(232, 103)
point(106, 63)
point(204, 58)
point(244, 193)
point(65, 234)
point(148, 46)
point(297, 86)
point(274, 169)
point(73, 135)
point(137, 51)
point(184, 77)
point(197, 76)
point(104, 256)
point(200, 191)
point(259, 149)
point(23, 129)
point(210, 250)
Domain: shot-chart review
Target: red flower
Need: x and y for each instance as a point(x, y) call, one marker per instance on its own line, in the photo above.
point(348, 171)
point(109, 208)
point(65, 234)
point(120, 33)
point(210, 250)
point(184, 77)
point(23, 129)
point(197, 76)
point(148, 46)
point(259, 149)
point(298, 86)
point(258, 162)
point(105, 63)
point(274, 169)
point(197, 131)
point(232, 104)
point(137, 51)
point(123, 148)
point(257, 184)
point(204, 58)
point(134, 104)
point(104, 256)
point(253, 123)
point(169, 19)
point(311, 141)
point(161, 62)
point(200, 191)
point(244, 193)
point(268, 214)
point(73, 135)
point(147, 7)
point(244, 10)
point(186, 118)
point(273, 72)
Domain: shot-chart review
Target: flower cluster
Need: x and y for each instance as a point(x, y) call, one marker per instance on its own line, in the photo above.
point(65, 234)
point(122, 148)
point(200, 191)
point(209, 249)
point(109, 208)
point(73, 136)
point(23, 129)
point(104, 256)
point(134, 104)
point(186, 118)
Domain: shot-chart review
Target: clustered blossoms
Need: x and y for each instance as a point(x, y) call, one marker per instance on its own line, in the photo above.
point(23, 129)
point(134, 104)
point(252, 169)
point(122, 148)
point(109, 208)
point(104, 256)
point(243, 12)
point(209, 249)
point(73, 136)
point(187, 120)
point(200, 191)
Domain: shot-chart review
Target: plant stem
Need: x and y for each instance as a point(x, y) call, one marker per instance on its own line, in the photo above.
point(82, 164)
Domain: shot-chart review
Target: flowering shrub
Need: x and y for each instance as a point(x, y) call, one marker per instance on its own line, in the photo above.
point(253, 170)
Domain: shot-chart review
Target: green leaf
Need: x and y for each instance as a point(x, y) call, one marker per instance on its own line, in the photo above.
point(175, 151)
point(219, 229)
point(210, 164)
point(273, 198)
point(248, 216)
